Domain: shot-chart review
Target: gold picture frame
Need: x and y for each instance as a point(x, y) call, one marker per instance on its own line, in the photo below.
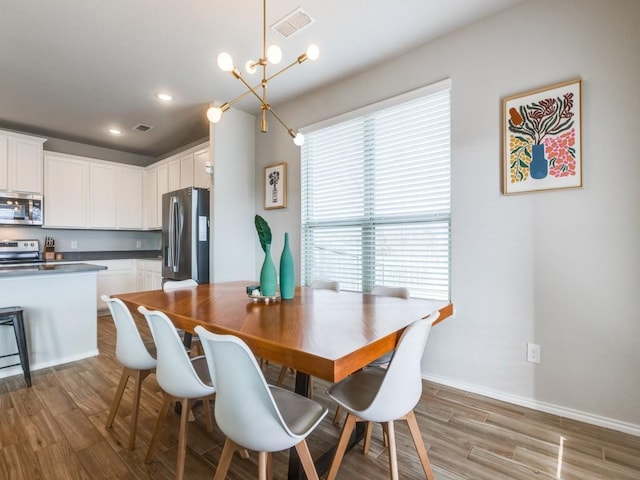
point(275, 186)
point(542, 139)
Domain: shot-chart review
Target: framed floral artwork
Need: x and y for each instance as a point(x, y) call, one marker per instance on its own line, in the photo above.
point(275, 186)
point(542, 139)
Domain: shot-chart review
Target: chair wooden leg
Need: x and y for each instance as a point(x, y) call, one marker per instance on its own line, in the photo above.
point(225, 459)
point(162, 416)
point(367, 438)
point(206, 403)
point(283, 372)
point(124, 377)
point(337, 415)
point(269, 466)
point(182, 437)
point(393, 457)
point(385, 435)
point(417, 441)
point(140, 376)
point(307, 462)
point(262, 465)
point(349, 423)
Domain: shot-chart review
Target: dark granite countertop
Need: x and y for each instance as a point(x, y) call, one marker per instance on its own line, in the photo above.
point(47, 269)
point(74, 256)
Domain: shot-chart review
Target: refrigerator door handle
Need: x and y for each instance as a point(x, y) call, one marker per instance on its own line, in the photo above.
point(174, 234)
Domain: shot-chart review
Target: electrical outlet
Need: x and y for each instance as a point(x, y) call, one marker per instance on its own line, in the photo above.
point(138, 243)
point(533, 353)
point(74, 244)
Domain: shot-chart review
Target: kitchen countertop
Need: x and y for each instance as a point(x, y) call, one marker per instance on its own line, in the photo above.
point(47, 269)
point(75, 256)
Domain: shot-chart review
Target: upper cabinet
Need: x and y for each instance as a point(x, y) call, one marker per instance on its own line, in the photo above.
point(65, 191)
point(183, 170)
point(87, 193)
point(21, 163)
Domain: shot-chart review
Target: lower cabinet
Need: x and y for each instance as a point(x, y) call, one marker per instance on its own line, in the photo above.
point(119, 277)
point(148, 275)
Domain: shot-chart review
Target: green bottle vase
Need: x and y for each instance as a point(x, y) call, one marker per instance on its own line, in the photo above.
point(268, 275)
point(287, 271)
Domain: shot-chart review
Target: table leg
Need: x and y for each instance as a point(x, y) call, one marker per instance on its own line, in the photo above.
point(322, 463)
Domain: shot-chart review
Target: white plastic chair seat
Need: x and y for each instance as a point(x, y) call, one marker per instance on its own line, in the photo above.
point(178, 284)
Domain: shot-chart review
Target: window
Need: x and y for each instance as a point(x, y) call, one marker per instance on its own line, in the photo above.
point(376, 196)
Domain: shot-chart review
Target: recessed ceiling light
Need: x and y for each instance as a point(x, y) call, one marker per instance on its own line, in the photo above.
point(165, 97)
point(115, 131)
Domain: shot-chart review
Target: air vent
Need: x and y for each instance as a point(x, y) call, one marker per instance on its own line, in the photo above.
point(141, 127)
point(292, 23)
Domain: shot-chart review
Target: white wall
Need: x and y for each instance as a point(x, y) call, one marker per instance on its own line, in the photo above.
point(556, 268)
point(233, 237)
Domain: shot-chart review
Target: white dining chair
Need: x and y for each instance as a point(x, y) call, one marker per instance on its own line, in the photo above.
point(181, 378)
point(136, 358)
point(192, 342)
point(383, 361)
point(384, 395)
point(315, 285)
point(252, 414)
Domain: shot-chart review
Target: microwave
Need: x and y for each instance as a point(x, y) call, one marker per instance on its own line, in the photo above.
point(20, 209)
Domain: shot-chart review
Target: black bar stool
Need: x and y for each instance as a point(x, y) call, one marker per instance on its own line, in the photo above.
point(12, 316)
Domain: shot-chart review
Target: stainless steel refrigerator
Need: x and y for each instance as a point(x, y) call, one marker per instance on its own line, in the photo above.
point(185, 235)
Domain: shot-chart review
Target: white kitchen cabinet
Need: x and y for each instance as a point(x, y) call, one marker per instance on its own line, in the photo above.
point(119, 277)
point(173, 179)
point(21, 163)
point(103, 196)
point(186, 171)
point(201, 178)
point(65, 191)
point(151, 199)
point(148, 275)
point(86, 193)
point(130, 198)
point(163, 187)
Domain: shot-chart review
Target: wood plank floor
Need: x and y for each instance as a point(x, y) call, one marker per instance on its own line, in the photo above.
point(55, 430)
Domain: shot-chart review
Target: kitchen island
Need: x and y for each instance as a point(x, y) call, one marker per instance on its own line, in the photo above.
point(59, 303)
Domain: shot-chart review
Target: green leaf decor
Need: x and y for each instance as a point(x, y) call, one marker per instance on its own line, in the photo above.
point(264, 232)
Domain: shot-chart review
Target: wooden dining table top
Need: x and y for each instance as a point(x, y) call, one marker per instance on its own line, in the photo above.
point(322, 333)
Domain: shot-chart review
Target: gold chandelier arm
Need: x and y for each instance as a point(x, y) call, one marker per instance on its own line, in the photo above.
point(278, 118)
point(251, 89)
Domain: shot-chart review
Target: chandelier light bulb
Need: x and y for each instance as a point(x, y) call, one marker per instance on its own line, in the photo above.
point(274, 54)
point(298, 139)
point(225, 62)
point(313, 52)
point(250, 67)
point(214, 114)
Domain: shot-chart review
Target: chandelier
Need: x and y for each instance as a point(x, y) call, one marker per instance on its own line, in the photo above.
point(272, 55)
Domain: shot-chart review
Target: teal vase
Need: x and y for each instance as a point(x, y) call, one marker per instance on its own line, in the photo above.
point(287, 271)
point(268, 275)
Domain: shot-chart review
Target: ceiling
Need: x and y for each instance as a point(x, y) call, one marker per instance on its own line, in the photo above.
point(72, 69)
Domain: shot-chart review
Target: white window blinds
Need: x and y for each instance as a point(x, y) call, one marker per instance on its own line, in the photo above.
point(376, 201)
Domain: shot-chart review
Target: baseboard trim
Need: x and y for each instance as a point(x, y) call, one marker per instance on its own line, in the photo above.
point(17, 370)
point(597, 420)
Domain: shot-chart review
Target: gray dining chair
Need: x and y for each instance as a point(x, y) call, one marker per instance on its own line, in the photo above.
point(382, 395)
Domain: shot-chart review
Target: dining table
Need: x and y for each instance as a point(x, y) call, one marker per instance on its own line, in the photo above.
point(319, 333)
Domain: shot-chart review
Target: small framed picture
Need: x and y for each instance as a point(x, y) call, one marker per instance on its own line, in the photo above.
point(275, 186)
point(542, 139)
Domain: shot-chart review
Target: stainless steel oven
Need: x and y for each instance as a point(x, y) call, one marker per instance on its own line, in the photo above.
point(20, 209)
